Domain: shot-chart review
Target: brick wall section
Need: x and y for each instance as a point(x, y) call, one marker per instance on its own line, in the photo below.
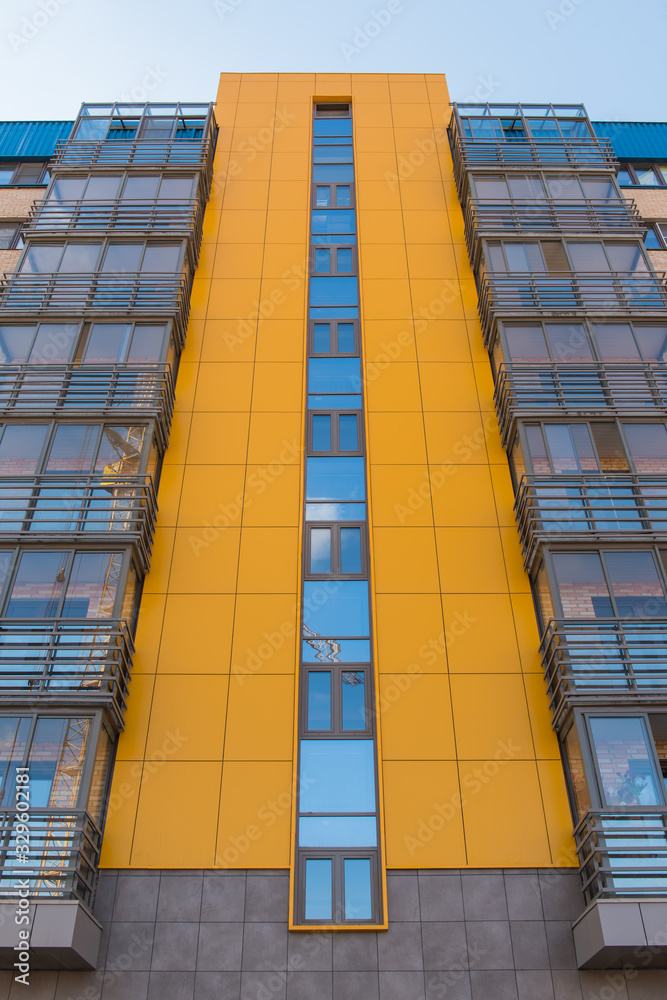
point(8, 260)
point(652, 203)
point(222, 935)
point(15, 203)
point(658, 259)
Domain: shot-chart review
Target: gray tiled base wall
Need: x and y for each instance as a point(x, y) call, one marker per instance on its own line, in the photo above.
point(192, 935)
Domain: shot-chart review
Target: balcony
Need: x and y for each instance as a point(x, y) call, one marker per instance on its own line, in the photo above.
point(597, 661)
point(623, 853)
point(74, 663)
point(548, 391)
point(619, 507)
point(119, 391)
point(170, 154)
point(57, 296)
point(99, 509)
point(525, 153)
point(173, 220)
point(540, 218)
point(63, 857)
point(524, 295)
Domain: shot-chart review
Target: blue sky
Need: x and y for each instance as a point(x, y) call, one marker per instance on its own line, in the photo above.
point(57, 53)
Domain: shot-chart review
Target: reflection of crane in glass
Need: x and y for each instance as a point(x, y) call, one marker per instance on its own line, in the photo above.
point(59, 836)
point(124, 497)
point(325, 649)
point(352, 676)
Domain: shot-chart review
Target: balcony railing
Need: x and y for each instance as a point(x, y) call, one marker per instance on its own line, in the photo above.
point(623, 853)
point(63, 855)
point(97, 294)
point(172, 219)
point(564, 154)
point(81, 389)
point(535, 219)
point(545, 391)
point(523, 295)
point(95, 508)
point(78, 663)
point(589, 507)
point(175, 154)
point(611, 661)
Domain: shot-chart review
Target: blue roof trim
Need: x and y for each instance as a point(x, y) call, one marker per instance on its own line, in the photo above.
point(635, 140)
point(31, 140)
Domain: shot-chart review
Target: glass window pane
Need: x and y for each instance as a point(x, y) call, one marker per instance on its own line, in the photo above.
point(332, 154)
point(647, 444)
point(576, 771)
point(141, 188)
point(568, 342)
point(67, 189)
point(21, 447)
point(13, 739)
point(91, 129)
point(335, 608)
point(581, 585)
point(79, 258)
point(337, 831)
point(334, 221)
point(652, 342)
point(348, 437)
point(625, 257)
point(537, 449)
point(335, 512)
point(92, 585)
point(344, 260)
point(337, 776)
point(38, 585)
point(161, 259)
point(624, 178)
point(615, 342)
point(491, 188)
point(635, 585)
point(346, 343)
point(599, 189)
point(98, 785)
point(105, 342)
point(54, 343)
point(526, 188)
point(320, 550)
point(353, 699)
point(323, 197)
point(588, 257)
point(333, 291)
point(103, 188)
point(332, 126)
point(343, 195)
point(335, 479)
point(321, 432)
point(73, 448)
point(526, 343)
point(625, 759)
point(15, 343)
point(176, 189)
point(147, 344)
point(319, 699)
point(358, 898)
point(120, 450)
point(316, 650)
point(646, 176)
point(350, 550)
point(41, 259)
point(6, 173)
point(333, 172)
point(334, 375)
point(322, 338)
point(565, 188)
point(122, 258)
point(322, 260)
point(318, 891)
point(334, 402)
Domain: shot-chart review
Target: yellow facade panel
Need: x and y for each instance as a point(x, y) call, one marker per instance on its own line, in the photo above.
point(260, 721)
point(212, 494)
point(400, 495)
point(264, 635)
point(229, 340)
point(277, 387)
point(189, 845)
point(392, 387)
point(405, 560)
point(490, 712)
point(411, 637)
point(443, 340)
point(218, 438)
point(193, 704)
point(448, 386)
point(480, 634)
point(275, 438)
point(397, 439)
point(424, 822)
point(272, 496)
point(255, 809)
point(381, 262)
point(414, 718)
point(204, 646)
point(386, 341)
point(223, 387)
point(205, 560)
point(268, 561)
point(463, 496)
point(559, 818)
point(471, 561)
point(504, 818)
point(133, 744)
point(280, 340)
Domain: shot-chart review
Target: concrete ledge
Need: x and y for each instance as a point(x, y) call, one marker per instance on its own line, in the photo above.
point(63, 935)
point(613, 933)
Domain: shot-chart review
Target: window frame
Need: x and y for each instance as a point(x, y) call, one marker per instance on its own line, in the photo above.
point(336, 731)
point(335, 449)
point(44, 176)
point(335, 527)
point(333, 249)
point(333, 328)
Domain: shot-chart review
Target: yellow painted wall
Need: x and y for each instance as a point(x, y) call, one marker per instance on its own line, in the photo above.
point(471, 770)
